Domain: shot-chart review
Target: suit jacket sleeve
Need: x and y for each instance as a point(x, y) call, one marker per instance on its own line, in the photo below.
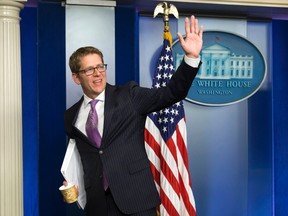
point(148, 100)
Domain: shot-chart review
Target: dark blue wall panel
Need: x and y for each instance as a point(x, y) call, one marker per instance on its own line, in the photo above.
point(52, 104)
point(260, 154)
point(28, 25)
point(280, 110)
point(127, 44)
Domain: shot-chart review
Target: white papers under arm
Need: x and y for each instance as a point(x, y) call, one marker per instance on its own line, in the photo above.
point(72, 171)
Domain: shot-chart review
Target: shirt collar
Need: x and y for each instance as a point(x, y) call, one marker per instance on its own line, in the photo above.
point(100, 97)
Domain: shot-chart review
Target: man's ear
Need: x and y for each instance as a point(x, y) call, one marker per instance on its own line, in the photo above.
point(76, 78)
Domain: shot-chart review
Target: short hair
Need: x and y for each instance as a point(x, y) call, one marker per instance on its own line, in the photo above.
point(75, 58)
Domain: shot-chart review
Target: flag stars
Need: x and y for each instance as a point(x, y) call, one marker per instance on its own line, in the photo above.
point(166, 66)
point(166, 111)
point(165, 75)
point(168, 49)
point(165, 120)
point(166, 57)
point(164, 72)
point(173, 111)
point(157, 85)
point(160, 67)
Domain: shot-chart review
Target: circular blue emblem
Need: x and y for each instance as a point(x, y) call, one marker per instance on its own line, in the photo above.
point(232, 69)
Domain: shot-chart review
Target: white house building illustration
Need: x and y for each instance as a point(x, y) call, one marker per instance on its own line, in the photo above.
point(218, 62)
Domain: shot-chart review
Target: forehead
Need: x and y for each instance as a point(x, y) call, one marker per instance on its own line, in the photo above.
point(90, 60)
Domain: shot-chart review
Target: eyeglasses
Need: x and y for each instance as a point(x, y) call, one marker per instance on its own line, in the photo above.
point(91, 70)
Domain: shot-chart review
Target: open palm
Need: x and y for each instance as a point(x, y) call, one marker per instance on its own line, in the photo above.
point(192, 43)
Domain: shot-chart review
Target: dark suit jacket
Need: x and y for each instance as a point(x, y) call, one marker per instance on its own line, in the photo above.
point(122, 154)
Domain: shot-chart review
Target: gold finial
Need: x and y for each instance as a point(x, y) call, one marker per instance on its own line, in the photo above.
point(164, 9)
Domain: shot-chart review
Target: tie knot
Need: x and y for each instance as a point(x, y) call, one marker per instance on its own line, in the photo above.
point(93, 103)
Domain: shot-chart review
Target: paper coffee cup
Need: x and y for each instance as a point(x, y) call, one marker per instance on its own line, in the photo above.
point(69, 193)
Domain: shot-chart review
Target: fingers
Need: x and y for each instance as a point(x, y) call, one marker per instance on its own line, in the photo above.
point(77, 189)
point(180, 38)
point(196, 30)
point(65, 183)
point(201, 31)
point(187, 27)
point(193, 26)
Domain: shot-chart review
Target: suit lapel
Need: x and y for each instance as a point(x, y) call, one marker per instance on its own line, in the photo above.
point(76, 110)
point(71, 117)
point(108, 113)
point(74, 115)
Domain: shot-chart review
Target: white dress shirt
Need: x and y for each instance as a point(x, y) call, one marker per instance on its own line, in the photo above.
point(84, 111)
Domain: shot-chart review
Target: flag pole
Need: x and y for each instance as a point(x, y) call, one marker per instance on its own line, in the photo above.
point(163, 8)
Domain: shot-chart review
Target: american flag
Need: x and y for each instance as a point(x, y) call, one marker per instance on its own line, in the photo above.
point(165, 143)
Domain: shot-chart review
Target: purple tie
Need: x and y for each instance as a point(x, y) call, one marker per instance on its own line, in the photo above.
point(93, 132)
point(92, 125)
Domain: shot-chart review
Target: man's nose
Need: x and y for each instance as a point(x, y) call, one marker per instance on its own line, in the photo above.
point(96, 72)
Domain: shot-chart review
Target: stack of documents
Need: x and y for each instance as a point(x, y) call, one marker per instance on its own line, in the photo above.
point(72, 171)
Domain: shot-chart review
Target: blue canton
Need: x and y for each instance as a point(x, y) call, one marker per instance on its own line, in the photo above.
point(166, 119)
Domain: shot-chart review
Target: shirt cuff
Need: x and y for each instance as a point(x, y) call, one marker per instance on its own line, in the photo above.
point(193, 62)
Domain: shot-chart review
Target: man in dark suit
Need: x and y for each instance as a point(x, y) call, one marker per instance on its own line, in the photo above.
point(121, 161)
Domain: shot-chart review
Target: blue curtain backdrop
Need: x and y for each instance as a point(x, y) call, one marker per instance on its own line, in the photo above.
point(43, 99)
point(260, 130)
point(28, 25)
point(51, 105)
point(280, 116)
point(126, 24)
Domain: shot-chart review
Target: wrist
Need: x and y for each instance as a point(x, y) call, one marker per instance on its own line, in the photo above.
point(192, 61)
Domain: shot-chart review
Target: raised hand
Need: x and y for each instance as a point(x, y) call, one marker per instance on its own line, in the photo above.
point(192, 44)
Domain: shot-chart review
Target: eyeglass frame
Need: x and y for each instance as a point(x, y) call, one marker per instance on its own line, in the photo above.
point(93, 69)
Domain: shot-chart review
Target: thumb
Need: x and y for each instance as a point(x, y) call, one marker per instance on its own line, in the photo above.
point(180, 37)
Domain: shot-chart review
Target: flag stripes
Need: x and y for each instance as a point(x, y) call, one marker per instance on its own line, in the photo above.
point(162, 171)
